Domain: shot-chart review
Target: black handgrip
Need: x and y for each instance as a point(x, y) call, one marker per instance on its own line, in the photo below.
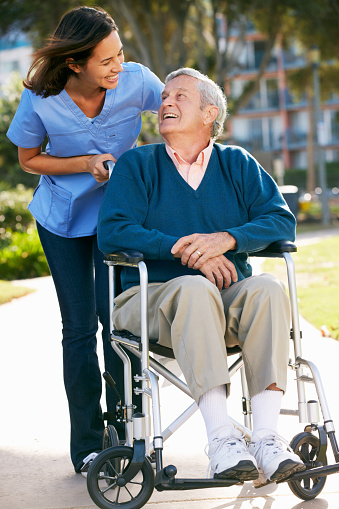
point(109, 380)
point(108, 165)
point(127, 257)
point(276, 249)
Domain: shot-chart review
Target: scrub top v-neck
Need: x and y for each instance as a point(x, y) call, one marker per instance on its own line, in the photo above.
point(68, 205)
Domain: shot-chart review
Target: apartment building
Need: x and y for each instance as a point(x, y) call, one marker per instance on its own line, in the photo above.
point(275, 124)
point(15, 56)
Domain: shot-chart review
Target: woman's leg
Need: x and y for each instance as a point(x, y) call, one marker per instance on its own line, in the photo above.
point(72, 269)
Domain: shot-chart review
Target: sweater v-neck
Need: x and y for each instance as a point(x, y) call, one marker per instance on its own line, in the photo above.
point(189, 189)
point(80, 115)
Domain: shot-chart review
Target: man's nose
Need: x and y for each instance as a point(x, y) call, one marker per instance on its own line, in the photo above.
point(168, 101)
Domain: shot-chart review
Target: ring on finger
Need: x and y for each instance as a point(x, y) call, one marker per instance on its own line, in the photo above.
point(198, 253)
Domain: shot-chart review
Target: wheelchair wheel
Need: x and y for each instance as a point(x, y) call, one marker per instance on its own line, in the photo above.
point(110, 437)
point(306, 446)
point(103, 475)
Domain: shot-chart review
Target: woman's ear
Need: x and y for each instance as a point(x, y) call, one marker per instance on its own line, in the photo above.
point(72, 65)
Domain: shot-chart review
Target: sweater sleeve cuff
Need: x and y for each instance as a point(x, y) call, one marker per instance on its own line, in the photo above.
point(242, 243)
point(165, 247)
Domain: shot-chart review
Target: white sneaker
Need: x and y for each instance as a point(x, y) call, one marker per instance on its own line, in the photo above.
point(275, 458)
point(229, 457)
point(86, 463)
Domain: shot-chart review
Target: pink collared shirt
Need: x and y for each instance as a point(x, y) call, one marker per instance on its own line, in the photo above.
point(192, 173)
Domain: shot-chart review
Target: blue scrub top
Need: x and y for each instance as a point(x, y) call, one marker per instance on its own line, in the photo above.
point(68, 205)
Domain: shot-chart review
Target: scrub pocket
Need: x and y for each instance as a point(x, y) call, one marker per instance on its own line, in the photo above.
point(51, 206)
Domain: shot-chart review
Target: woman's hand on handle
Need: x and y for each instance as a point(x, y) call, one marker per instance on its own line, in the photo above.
point(96, 168)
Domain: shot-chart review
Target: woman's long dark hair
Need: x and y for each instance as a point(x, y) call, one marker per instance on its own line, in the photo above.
point(76, 36)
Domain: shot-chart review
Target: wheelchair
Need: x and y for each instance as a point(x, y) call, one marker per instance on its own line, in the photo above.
point(122, 475)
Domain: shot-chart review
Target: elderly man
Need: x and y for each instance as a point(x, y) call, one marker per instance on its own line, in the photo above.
point(195, 208)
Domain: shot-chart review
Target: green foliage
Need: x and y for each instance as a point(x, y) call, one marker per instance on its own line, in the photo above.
point(8, 291)
point(167, 34)
point(14, 215)
point(24, 257)
point(150, 130)
point(10, 170)
point(297, 177)
point(21, 254)
point(317, 274)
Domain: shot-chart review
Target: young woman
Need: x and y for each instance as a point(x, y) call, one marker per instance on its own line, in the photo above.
point(81, 95)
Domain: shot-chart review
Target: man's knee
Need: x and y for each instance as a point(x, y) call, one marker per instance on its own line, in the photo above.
point(198, 285)
point(267, 287)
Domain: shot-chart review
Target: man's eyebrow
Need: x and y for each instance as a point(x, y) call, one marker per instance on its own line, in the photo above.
point(182, 89)
point(110, 58)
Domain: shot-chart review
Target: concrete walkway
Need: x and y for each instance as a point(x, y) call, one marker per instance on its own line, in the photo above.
point(35, 469)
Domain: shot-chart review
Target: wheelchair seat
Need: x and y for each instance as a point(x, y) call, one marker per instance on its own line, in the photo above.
point(158, 349)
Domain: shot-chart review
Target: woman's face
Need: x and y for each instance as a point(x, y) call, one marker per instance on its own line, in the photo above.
point(103, 67)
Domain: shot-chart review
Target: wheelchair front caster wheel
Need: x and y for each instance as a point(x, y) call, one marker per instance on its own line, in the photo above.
point(110, 437)
point(306, 446)
point(103, 480)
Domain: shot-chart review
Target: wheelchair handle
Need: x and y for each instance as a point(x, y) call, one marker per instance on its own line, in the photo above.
point(109, 165)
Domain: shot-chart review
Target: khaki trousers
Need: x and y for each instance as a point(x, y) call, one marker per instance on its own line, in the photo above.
point(190, 315)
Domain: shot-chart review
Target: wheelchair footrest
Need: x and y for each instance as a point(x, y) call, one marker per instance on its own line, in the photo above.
point(165, 483)
point(312, 473)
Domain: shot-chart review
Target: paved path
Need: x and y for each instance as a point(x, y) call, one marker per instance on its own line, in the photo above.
point(35, 470)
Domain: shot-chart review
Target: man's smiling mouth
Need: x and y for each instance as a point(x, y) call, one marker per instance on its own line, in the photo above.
point(169, 115)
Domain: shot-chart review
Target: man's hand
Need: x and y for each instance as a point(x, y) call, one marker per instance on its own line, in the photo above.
point(220, 271)
point(194, 250)
point(96, 168)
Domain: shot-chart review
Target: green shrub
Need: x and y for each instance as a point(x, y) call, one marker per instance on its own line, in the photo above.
point(10, 170)
point(14, 214)
point(23, 258)
point(21, 254)
point(297, 177)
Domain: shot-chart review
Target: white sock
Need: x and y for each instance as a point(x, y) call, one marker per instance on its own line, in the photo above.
point(265, 411)
point(213, 407)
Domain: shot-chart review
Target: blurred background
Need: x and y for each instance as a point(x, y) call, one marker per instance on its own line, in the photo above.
point(277, 61)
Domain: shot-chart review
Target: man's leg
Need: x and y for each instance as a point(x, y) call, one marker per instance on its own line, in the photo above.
point(258, 319)
point(187, 314)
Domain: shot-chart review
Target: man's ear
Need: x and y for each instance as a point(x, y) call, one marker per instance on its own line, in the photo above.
point(211, 113)
point(72, 65)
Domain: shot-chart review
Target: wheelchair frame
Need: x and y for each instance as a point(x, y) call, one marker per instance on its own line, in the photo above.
point(138, 426)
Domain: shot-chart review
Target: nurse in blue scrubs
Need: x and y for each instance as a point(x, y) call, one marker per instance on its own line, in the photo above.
point(88, 102)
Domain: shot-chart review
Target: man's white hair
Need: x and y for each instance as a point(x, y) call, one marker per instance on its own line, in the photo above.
point(210, 93)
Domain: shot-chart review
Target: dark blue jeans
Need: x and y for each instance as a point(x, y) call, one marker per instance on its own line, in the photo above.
point(81, 282)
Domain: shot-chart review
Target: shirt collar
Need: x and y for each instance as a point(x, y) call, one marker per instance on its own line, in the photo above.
point(202, 159)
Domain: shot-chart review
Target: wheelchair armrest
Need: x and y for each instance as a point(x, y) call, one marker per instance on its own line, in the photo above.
point(276, 249)
point(128, 257)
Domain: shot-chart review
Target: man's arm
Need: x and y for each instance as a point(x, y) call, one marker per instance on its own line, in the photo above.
point(124, 210)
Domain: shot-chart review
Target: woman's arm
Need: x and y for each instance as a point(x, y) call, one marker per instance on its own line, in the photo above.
point(33, 160)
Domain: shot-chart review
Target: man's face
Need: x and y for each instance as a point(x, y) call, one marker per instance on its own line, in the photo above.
point(180, 110)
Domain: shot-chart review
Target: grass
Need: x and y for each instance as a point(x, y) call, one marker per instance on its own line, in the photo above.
point(317, 275)
point(8, 291)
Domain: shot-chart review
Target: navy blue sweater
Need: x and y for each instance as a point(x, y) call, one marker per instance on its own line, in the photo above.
point(148, 206)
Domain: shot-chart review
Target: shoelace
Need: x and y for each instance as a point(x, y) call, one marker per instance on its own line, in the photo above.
point(227, 442)
point(277, 446)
